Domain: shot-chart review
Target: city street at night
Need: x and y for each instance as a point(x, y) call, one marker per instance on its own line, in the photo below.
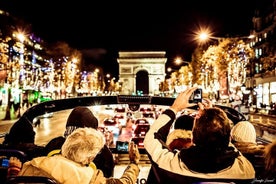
point(139, 67)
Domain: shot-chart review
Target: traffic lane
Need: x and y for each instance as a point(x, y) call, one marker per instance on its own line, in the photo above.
point(51, 127)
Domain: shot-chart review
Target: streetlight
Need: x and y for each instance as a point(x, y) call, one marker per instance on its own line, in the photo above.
point(205, 35)
point(178, 61)
point(169, 69)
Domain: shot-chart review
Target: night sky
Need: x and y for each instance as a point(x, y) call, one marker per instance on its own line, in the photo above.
point(103, 28)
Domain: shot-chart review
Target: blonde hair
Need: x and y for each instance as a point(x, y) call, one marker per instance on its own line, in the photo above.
point(83, 145)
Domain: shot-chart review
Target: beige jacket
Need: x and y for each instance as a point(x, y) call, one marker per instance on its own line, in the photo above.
point(65, 171)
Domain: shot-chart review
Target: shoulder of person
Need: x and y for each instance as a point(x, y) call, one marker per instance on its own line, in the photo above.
point(54, 144)
point(98, 177)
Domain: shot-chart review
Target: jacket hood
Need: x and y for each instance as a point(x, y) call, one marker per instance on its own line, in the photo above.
point(63, 170)
point(82, 117)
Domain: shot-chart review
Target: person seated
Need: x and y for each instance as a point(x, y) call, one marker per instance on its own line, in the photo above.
point(22, 137)
point(243, 136)
point(81, 117)
point(10, 166)
point(181, 135)
point(75, 163)
point(210, 158)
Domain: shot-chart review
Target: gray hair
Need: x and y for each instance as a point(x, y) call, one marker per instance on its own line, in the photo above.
point(83, 145)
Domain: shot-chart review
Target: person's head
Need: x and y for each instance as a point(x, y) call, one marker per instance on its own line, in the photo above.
point(181, 136)
point(243, 131)
point(184, 122)
point(80, 117)
point(21, 132)
point(83, 145)
point(270, 157)
point(212, 129)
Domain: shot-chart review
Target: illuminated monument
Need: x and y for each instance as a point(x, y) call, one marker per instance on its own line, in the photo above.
point(141, 72)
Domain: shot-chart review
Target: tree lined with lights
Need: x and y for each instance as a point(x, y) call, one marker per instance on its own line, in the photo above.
point(225, 64)
point(67, 67)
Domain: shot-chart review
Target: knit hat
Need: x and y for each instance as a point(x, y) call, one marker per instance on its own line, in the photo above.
point(243, 131)
point(184, 122)
point(80, 117)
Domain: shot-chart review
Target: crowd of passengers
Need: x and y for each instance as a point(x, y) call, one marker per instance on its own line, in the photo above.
point(209, 147)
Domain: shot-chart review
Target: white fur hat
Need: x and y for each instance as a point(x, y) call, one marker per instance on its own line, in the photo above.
point(178, 133)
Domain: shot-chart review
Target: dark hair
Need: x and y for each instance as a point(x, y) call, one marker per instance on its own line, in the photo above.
point(212, 129)
point(21, 132)
point(185, 122)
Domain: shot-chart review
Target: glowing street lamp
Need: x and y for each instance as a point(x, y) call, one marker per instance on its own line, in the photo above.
point(205, 36)
point(169, 69)
point(21, 37)
point(178, 60)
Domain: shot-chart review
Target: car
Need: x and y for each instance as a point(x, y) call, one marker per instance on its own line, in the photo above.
point(108, 135)
point(141, 130)
point(107, 120)
point(120, 118)
point(148, 114)
point(145, 109)
point(120, 109)
point(139, 141)
point(141, 121)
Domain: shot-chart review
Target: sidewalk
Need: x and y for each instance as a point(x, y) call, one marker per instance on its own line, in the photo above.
point(262, 113)
point(5, 124)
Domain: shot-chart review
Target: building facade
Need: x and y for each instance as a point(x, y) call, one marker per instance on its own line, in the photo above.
point(261, 73)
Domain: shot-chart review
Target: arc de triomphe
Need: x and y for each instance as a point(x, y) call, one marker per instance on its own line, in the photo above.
point(141, 71)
